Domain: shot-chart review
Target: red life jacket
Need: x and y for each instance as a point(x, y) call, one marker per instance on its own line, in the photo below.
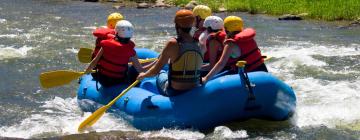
point(249, 50)
point(218, 36)
point(198, 33)
point(101, 34)
point(114, 61)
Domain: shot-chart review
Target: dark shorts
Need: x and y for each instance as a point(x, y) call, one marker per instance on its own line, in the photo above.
point(107, 81)
point(163, 87)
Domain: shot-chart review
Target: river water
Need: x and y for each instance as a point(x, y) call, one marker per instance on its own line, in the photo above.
point(318, 59)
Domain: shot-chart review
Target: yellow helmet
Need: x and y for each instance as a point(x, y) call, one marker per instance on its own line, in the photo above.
point(233, 23)
point(112, 19)
point(202, 11)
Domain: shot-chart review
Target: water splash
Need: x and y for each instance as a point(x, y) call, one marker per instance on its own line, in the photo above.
point(60, 117)
point(173, 134)
point(2, 20)
point(326, 103)
point(223, 132)
point(12, 52)
point(8, 36)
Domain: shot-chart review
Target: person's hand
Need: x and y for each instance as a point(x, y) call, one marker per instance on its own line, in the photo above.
point(204, 80)
point(141, 76)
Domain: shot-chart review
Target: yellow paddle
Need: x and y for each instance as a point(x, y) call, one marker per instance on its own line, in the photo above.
point(98, 113)
point(59, 77)
point(266, 57)
point(84, 56)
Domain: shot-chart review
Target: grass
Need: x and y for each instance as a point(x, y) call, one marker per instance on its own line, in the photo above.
point(315, 9)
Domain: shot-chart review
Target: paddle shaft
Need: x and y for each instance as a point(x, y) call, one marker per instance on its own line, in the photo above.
point(84, 56)
point(92, 119)
point(122, 93)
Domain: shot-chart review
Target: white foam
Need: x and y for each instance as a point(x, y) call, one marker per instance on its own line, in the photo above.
point(57, 18)
point(298, 53)
point(2, 20)
point(78, 35)
point(90, 28)
point(173, 134)
point(11, 52)
point(9, 36)
point(326, 103)
point(299, 48)
point(223, 132)
point(61, 117)
point(166, 25)
point(319, 102)
point(73, 50)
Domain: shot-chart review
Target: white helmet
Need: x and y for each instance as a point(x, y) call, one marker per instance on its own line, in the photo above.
point(124, 29)
point(215, 22)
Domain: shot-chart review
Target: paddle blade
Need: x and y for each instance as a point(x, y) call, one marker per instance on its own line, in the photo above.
point(98, 113)
point(84, 55)
point(266, 57)
point(147, 60)
point(92, 118)
point(58, 78)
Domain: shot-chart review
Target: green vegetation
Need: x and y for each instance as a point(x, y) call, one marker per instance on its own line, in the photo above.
point(316, 9)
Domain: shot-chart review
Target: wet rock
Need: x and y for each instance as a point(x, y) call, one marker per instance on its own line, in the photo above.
point(290, 17)
point(118, 6)
point(191, 5)
point(91, 0)
point(143, 5)
point(161, 3)
point(351, 24)
point(303, 14)
point(222, 9)
point(356, 22)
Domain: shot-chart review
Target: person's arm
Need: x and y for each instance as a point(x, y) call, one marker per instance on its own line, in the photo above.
point(163, 59)
point(149, 65)
point(213, 49)
point(94, 62)
point(136, 63)
point(220, 64)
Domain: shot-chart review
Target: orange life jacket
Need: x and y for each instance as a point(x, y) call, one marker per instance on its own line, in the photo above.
point(114, 61)
point(101, 34)
point(249, 50)
point(198, 33)
point(218, 36)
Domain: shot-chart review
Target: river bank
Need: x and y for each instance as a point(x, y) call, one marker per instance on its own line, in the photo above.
point(319, 60)
point(323, 9)
point(347, 12)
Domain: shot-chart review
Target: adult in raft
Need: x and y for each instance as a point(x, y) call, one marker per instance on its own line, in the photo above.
point(214, 36)
point(103, 33)
point(200, 12)
point(239, 45)
point(184, 56)
point(112, 59)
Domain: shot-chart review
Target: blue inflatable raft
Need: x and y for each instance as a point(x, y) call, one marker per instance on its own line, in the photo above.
point(221, 100)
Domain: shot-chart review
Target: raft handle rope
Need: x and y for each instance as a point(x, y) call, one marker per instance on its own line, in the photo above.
point(244, 75)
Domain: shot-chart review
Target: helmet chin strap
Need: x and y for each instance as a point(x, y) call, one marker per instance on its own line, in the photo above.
point(122, 40)
point(198, 20)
